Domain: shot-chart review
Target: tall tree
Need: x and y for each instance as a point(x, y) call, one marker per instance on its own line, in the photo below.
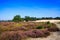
point(17, 18)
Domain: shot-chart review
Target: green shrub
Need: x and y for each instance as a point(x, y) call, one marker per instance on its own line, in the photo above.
point(39, 27)
point(48, 22)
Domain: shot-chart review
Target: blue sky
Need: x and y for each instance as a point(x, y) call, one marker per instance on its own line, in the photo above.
point(33, 8)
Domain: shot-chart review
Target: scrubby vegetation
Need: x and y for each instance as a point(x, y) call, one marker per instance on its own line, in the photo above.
point(23, 30)
point(40, 27)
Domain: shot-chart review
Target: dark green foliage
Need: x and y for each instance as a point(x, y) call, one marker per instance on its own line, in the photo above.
point(48, 22)
point(17, 18)
point(27, 18)
point(39, 27)
point(32, 18)
point(57, 18)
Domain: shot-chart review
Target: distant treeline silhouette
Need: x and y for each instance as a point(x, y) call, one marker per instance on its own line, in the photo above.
point(18, 18)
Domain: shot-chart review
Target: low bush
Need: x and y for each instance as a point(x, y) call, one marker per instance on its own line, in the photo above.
point(53, 29)
point(30, 34)
point(37, 33)
point(48, 22)
point(46, 32)
point(39, 27)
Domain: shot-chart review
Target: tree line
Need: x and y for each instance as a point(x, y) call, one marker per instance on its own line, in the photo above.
point(18, 18)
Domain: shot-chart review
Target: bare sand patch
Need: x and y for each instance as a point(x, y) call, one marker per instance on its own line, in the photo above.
point(52, 21)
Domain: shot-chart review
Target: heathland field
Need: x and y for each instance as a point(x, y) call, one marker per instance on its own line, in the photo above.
point(27, 30)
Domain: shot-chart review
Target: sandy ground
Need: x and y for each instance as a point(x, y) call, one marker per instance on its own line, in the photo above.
point(58, 25)
point(53, 36)
point(52, 21)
